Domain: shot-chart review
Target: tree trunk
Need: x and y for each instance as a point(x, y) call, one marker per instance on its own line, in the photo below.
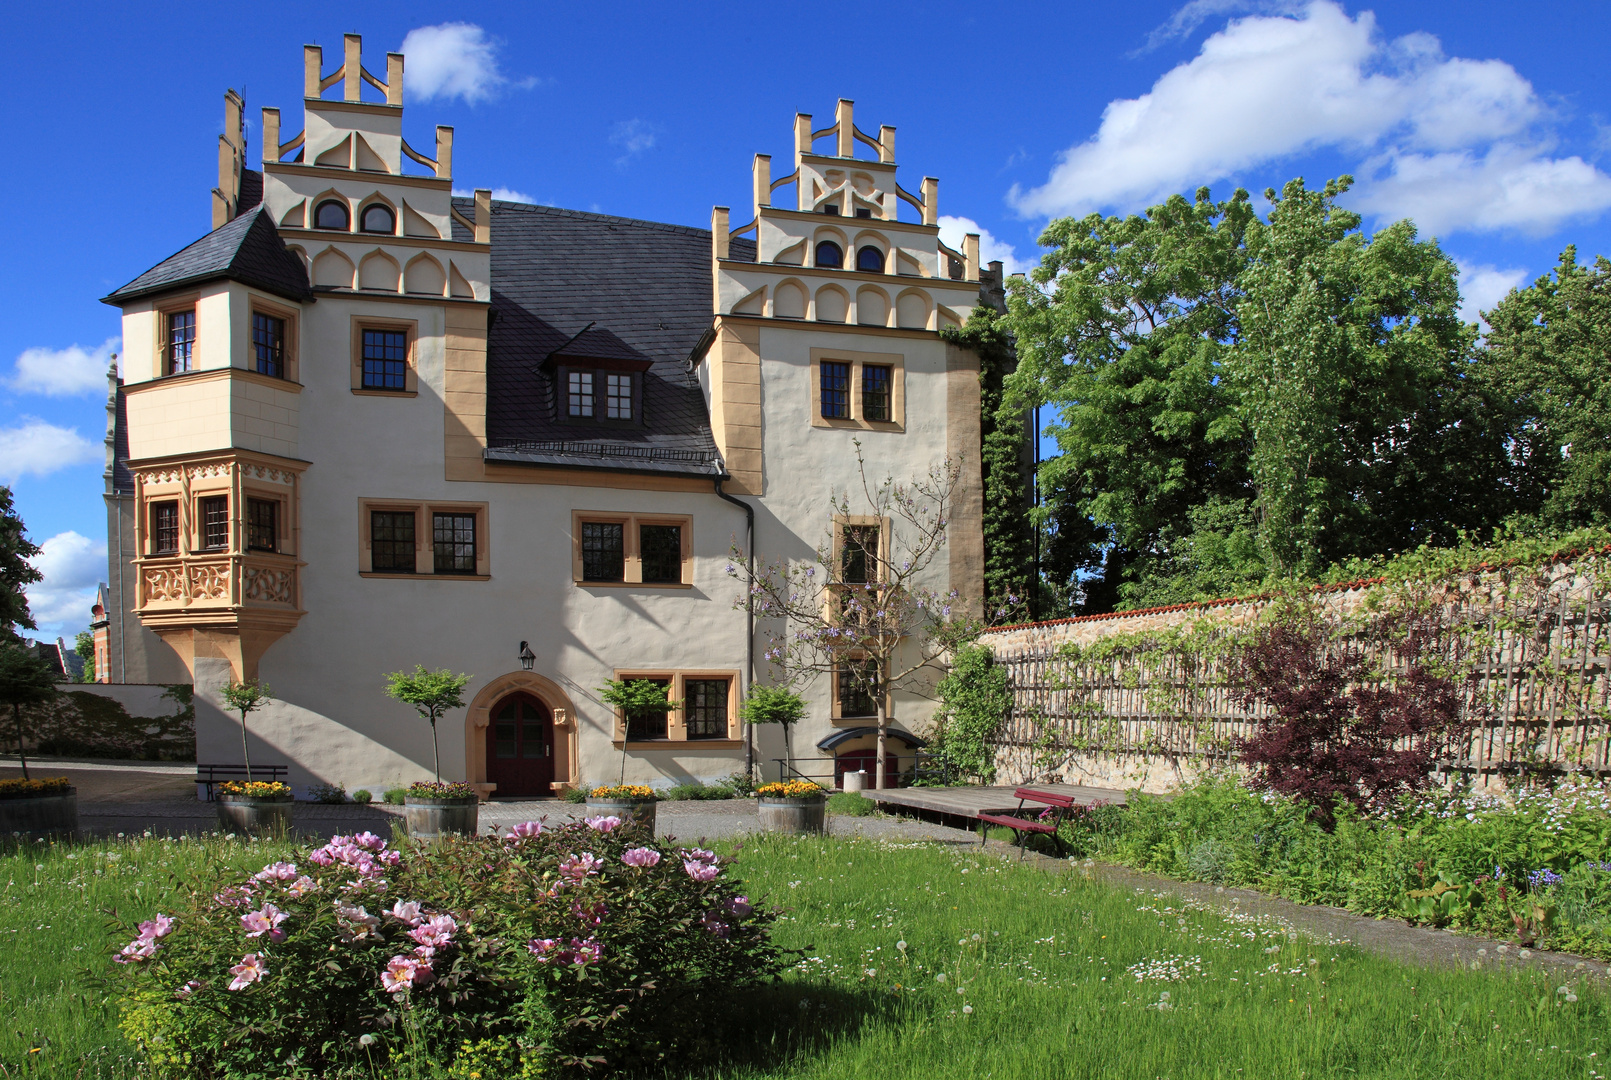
point(883, 725)
point(788, 753)
point(22, 753)
point(246, 754)
point(436, 758)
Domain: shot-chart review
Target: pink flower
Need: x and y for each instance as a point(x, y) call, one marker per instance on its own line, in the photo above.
point(141, 948)
point(248, 971)
point(603, 824)
point(403, 972)
point(714, 923)
point(699, 854)
point(739, 906)
point(265, 920)
point(322, 857)
point(280, 871)
point(585, 952)
point(542, 948)
point(190, 987)
point(369, 842)
point(159, 927)
point(301, 887)
point(578, 867)
point(437, 932)
point(524, 831)
point(356, 923)
point(590, 914)
point(641, 856)
point(407, 911)
point(700, 871)
point(234, 896)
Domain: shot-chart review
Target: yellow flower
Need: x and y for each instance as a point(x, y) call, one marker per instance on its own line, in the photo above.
point(791, 789)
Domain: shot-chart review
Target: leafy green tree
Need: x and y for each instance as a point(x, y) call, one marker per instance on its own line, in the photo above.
point(975, 699)
point(25, 679)
point(245, 698)
point(1124, 329)
point(16, 572)
point(1549, 360)
point(638, 699)
point(432, 693)
point(774, 705)
point(84, 646)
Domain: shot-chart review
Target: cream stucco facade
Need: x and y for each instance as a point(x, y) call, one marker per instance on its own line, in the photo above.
point(290, 483)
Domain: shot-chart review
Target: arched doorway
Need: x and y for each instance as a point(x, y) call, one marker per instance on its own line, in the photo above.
point(520, 746)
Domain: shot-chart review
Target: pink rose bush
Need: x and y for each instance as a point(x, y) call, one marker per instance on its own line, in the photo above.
point(585, 946)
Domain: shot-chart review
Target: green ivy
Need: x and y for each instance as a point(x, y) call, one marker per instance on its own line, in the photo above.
point(974, 701)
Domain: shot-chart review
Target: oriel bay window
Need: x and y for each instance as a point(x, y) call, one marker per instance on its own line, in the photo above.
point(214, 513)
point(262, 525)
point(165, 527)
point(631, 549)
point(709, 712)
point(179, 342)
point(268, 345)
point(424, 540)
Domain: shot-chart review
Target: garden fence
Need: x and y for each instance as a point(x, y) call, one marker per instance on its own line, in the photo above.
point(1532, 644)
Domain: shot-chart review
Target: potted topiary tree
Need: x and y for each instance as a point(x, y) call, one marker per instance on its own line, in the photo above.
point(434, 808)
point(774, 705)
point(251, 805)
point(637, 700)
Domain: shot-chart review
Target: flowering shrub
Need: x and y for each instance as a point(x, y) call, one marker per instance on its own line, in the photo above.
point(590, 943)
point(440, 789)
point(34, 789)
point(255, 789)
point(623, 791)
point(791, 789)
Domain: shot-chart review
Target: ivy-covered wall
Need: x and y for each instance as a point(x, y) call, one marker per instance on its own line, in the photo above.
point(148, 723)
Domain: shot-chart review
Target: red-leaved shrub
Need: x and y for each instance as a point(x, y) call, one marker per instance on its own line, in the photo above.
point(1361, 718)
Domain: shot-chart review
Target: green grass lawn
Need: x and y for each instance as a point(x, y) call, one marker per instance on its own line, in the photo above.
point(1006, 972)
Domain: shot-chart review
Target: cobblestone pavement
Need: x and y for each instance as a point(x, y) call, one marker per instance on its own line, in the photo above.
point(134, 797)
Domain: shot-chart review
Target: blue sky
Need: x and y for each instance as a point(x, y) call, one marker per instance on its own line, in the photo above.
point(1483, 121)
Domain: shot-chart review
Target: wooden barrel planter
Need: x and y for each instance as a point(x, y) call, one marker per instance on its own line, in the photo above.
point(629, 810)
point(797, 814)
point(265, 815)
point(54, 813)
point(430, 818)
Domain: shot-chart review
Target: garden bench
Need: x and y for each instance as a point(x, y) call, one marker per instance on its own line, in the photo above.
point(1045, 822)
point(218, 774)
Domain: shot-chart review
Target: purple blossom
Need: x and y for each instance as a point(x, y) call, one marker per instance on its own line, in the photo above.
point(700, 871)
point(577, 868)
point(738, 906)
point(524, 831)
point(713, 922)
point(603, 824)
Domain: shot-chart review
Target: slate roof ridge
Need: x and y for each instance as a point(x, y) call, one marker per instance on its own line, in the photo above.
point(587, 215)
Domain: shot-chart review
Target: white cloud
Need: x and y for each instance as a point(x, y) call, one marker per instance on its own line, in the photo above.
point(1270, 87)
point(64, 372)
point(1193, 14)
point(1483, 286)
point(953, 229)
point(40, 448)
point(632, 137)
point(503, 194)
point(451, 60)
point(72, 566)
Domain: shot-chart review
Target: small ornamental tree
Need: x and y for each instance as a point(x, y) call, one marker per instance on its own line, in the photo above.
point(774, 705)
point(1338, 725)
point(862, 612)
point(432, 693)
point(25, 679)
point(246, 697)
point(638, 699)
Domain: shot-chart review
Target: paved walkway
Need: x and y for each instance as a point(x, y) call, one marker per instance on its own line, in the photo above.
point(135, 797)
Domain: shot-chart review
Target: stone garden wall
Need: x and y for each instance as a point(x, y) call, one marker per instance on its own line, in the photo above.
point(150, 722)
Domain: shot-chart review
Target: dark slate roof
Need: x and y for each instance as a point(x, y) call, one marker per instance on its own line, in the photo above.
point(251, 191)
point(645, 283)
point(247, 249)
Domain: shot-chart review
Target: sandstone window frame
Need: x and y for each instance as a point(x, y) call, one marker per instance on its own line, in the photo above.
point(408, 327)
point(424, 511)
point(291, 335)
point(632, 553)
point(676, 723)
point(165, 310)
point(857, 420)
point(836, 713)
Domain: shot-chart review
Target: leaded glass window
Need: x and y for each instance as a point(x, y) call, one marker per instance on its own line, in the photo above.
point(453, 538)
point(705, 705)
point(835, 390)
point(391, 541)
point(603, 551)
point(660, 547)
point(385, 359)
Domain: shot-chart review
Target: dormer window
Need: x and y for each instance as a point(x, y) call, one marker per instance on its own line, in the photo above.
point(601, 395)
point(830, 254)
point(331, 214)
point(378, 218)
point(870, 260)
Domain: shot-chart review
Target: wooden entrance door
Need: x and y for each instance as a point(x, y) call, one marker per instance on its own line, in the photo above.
point(520, 747)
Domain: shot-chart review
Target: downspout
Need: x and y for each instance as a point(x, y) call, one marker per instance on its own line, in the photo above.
point(749, 620)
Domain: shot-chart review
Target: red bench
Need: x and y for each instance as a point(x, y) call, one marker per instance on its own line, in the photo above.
point(1046, 821)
